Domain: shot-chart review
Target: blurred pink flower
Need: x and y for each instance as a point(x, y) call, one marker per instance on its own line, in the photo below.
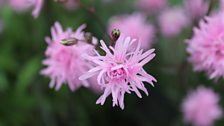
point(201, 107)
point(20, 5)
point(37, 6)
point(152, 5)
point(71, 4)
point(23, 5)
point(172, 21)
point(136, 26)
point(64, 63)
point(2, 3)
point(222, 4)
point(206, 47)
point(121, 70)
point(196, 8)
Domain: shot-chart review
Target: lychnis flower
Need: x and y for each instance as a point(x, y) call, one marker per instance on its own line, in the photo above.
point(196, 9)
point(201, 107)
point(121, 70)
point(22, 5)
point(152, 5)
point(135, 26)
point(172, 21)
point(221, 2)
point(64, 63)
point(206, 47)
point(71, 4)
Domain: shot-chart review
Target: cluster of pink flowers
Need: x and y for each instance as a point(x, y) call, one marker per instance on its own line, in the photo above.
point(135, 26)
point(120, 70)
point(22, 5)
point(152, 5)
point(201, 107)
point(64, 63)
point(206, 47)
point(172, 21)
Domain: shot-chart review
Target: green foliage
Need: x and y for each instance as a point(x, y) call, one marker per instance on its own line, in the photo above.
point(27, 74)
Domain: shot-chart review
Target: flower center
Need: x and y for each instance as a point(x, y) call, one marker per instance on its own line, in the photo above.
point(117, 74)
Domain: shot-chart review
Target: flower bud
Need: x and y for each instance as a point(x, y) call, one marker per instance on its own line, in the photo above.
point(115, 34)
point(69, 41)
point(88, 37)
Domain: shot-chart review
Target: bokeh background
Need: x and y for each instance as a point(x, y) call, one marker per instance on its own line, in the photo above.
point(26, 98)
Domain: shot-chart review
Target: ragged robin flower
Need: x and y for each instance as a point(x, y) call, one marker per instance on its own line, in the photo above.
point(121, 70)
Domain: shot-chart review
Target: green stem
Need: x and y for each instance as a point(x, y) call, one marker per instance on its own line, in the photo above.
point(92, 11)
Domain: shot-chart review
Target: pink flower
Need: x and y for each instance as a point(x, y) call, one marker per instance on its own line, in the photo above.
point(19, 5)
point(71, 4)
point(23, 5)
point(172, 22)
point(64, 63)
point(201, 107)
point(152, 5)
point(134, 25)
point(196, 8)
point(206, 47)
point(121, 70)
point(37, 6)
point(2, 3)
point(222, 4)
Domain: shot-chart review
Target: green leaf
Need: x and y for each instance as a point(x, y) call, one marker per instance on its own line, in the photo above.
point(27, 74)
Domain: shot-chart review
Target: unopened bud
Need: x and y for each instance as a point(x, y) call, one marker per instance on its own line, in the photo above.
point(88, 37)
point(69, 41)
point(115, 34)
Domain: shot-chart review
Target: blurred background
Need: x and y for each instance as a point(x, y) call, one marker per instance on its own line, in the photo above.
point(26, 98)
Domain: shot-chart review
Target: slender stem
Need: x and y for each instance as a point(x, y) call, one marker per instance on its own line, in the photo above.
point(183, 75)
point(92, 11)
